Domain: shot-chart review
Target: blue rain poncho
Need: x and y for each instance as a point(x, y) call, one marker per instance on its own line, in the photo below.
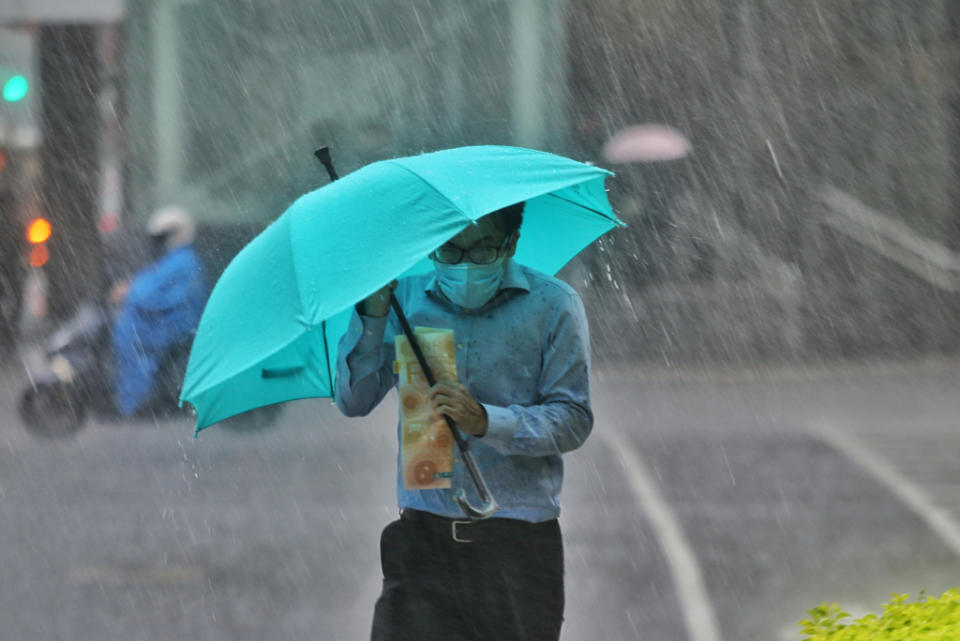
point(162, 308)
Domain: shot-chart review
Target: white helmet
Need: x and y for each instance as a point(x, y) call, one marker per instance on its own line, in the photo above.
point(175, 223)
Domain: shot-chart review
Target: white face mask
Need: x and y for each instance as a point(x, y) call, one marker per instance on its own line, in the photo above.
point(469, 285)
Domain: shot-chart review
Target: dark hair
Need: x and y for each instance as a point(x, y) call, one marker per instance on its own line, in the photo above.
point(509, 218)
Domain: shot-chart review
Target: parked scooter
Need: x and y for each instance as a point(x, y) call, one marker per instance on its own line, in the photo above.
point(75, 377)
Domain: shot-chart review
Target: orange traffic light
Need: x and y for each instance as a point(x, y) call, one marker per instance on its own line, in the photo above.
point(39, 256)
point(39, 231)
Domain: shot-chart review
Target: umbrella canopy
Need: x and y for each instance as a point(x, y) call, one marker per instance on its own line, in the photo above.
point(271, 326)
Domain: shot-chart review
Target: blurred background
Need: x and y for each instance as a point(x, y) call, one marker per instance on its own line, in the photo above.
point(814, 215)
point(793, 263)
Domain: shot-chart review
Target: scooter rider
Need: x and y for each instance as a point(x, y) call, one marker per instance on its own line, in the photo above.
point(161, 307)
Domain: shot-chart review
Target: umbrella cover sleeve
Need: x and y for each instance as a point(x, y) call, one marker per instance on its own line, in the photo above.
point(426, 445)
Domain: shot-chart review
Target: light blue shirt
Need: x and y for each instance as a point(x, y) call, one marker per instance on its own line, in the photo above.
point(525, 356)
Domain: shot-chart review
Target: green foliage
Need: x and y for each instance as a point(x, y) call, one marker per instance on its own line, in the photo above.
point(927, 619)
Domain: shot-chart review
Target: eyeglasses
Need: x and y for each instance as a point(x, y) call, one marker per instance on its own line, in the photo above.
point(478, 254)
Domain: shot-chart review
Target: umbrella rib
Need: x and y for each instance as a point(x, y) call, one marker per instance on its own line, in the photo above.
point(612, 219)
point(296, 273)
point(431, 186)
point(255, 363)
point(426, 182)
point(326, 354)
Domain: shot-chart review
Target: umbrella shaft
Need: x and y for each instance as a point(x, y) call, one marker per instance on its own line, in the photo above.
point(462, 445)
point(323, 154)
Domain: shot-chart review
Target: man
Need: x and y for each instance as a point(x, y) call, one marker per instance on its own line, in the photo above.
point(522, 400)
point(161, 308)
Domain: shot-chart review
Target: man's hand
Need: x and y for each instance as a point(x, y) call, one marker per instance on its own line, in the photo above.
point(455, 401)
point(378, 303)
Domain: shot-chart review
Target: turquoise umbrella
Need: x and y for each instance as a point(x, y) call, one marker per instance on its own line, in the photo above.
point(270, 329)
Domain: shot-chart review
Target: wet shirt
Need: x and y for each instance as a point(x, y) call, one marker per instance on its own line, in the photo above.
point(524, 356)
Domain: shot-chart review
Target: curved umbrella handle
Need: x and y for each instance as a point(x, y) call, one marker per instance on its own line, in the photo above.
point(489, 507)
point(489, 504)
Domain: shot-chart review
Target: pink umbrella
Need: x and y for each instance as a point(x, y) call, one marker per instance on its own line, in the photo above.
point(646, 143)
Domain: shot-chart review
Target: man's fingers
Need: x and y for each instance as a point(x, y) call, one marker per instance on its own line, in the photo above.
point(444, 390)
point(446, 402)
point(453, 400)
point(450, 412)
point(449, 387)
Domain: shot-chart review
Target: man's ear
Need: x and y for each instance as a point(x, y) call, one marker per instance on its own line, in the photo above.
point(512, 245)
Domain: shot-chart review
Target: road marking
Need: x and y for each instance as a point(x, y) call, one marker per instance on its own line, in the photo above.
point(912, 496)
point(698, 614)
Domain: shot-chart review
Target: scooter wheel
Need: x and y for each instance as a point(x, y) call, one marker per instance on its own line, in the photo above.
point(51, 411)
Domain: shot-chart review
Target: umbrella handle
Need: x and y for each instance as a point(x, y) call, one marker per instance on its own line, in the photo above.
point(490, 506)
point(324, 155)
point(489, 503)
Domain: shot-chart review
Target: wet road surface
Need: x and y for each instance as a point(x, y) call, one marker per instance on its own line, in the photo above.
point(704, 506)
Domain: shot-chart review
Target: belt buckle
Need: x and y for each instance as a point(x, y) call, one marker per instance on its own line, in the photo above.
point(453, 531)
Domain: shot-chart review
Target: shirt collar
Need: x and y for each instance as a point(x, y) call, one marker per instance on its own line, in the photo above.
point(513, 278)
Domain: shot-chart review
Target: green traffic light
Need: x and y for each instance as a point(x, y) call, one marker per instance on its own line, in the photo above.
point(15, 89)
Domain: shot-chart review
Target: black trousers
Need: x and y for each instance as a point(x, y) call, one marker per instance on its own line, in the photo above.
point(505, 584)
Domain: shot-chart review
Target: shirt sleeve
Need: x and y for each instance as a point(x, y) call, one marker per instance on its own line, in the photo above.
point(364, 366)
point(562, 419)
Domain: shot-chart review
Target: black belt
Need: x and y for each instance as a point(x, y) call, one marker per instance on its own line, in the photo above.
point(483, 531)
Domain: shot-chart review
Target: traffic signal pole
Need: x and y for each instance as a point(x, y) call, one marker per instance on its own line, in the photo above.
point(70, 123)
